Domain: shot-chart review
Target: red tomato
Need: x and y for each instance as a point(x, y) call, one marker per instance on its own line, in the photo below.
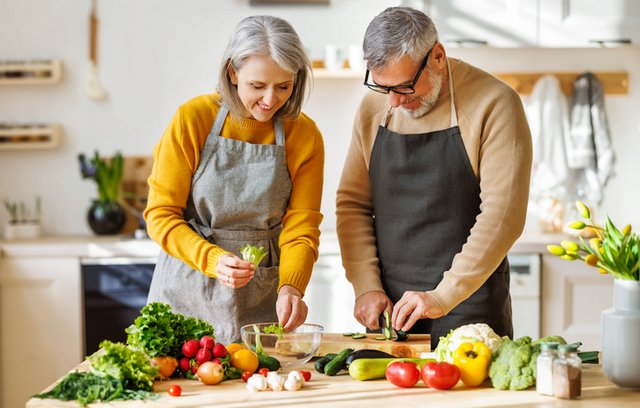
point(246, 375)
point(263, 371)
point(175, 390)
point(441, 376)
point(402, 373)
point(306, 374)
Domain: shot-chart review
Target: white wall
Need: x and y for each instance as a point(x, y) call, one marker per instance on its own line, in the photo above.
point(156, 54)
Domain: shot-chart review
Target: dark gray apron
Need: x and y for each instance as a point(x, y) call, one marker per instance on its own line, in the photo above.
point(426, 198)
point(239, 195)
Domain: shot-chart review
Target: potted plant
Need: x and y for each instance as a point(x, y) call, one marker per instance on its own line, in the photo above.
point(106, 214)
point(23, 224)
point(615, 252)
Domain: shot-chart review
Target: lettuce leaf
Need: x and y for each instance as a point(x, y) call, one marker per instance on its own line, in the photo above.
point(132, 368)
point(253, 254)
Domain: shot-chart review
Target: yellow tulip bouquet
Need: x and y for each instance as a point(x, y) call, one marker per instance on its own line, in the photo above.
point(612, 251)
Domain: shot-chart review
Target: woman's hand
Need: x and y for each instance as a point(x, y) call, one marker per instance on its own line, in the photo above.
point(291, 309)
point(234, 272)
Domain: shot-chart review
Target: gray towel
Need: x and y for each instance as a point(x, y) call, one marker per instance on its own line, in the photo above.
point(590, 146)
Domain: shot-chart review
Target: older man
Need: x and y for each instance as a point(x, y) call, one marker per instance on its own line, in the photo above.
point(435, 186)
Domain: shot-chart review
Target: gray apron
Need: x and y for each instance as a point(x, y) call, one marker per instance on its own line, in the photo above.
point(239, 195)
point(426, 198)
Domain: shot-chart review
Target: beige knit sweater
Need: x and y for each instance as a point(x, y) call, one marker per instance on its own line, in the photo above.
point(498, 143)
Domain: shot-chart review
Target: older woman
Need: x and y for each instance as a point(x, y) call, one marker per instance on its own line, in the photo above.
point(241, 166)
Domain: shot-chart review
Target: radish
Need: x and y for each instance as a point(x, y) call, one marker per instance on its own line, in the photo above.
point(219, 350)
point(203, 355)
point(207, 342)
point(190, 348)
point(184, 364)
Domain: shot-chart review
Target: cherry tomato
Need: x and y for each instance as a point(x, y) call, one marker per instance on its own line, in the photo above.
point(246, 375)
point(175, 390)
point(263, 371)
point(306, 374)
point(441, 376)
point(403, 374)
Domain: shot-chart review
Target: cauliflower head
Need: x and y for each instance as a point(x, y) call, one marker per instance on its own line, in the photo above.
point(468, 333)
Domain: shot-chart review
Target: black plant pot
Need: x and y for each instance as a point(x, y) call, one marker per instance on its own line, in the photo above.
point(106, 218)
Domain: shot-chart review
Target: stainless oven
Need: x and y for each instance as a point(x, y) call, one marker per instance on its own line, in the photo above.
point(114, 290)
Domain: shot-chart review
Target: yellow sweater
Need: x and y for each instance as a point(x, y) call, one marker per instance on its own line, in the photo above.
point(176, 159)
point(497, 140)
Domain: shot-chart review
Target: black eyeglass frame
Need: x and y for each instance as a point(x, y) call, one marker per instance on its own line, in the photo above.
point(386, 89)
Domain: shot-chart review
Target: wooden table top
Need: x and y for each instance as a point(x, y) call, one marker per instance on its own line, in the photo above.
point(342, 391)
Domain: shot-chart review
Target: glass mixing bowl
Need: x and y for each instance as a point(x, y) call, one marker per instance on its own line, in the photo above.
point(292, 349)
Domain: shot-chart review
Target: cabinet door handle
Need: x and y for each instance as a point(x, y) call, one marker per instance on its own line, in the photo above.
point(461, 42)
point(613, 41)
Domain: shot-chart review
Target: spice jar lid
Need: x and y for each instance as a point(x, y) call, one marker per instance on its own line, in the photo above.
point(549, 345)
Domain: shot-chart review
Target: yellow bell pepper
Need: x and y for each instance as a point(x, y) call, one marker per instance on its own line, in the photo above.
point(473, 361)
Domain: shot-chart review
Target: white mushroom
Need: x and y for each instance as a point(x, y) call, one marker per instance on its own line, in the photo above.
point(275, 381)
point(257, 382)
point(294, 381)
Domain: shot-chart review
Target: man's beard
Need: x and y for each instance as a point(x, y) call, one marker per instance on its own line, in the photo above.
point(426, 102)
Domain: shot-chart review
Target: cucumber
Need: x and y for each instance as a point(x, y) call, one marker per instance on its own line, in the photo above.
point(323, 361)
point(337, 364)
point(365, 369)
point(269, 362)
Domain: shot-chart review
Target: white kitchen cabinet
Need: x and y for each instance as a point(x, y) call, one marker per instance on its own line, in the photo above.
point(496, 23)
point(581, 23)
point(40, 324)
point(574, 296)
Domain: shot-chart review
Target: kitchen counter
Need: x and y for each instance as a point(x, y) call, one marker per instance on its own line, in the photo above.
point(126, 246)
point(342, 391)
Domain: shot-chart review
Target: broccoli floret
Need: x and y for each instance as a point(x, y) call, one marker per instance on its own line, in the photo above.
point(550, 339)
point(514, 365)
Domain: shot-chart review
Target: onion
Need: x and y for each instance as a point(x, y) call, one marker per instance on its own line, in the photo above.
point(210, 373)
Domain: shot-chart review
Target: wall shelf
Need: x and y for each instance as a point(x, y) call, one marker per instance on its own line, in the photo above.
point(614, 83)
point(40, 72)
point(29, 136)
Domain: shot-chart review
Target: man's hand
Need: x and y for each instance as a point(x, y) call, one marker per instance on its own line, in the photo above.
point(412, 307)
point(234, 272)
point(369, 307)
point(290, 308)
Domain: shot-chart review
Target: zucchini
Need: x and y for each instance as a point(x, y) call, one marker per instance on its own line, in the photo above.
point(374, 368)
point(337, 364)
point(366, 353)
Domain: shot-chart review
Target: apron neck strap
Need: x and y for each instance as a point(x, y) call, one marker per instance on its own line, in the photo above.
point(222, 115)
point(454, 115)
point(219, 122)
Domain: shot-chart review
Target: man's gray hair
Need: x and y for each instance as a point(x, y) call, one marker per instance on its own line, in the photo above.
point(396, 32)
point(272, 36)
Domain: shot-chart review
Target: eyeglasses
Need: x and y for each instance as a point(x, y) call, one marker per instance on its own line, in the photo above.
point(399, 89)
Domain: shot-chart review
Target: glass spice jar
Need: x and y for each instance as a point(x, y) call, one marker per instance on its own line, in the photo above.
point(544, 368)
point(567, 373)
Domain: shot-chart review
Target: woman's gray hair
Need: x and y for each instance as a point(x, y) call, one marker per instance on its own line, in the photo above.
point(396, 32)
point(272, 36)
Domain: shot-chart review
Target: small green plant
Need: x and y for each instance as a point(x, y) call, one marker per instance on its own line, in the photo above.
point(20, 213)
point(106, 173)
point(612, 251)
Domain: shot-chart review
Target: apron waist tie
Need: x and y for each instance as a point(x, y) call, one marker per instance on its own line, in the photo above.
point(213, 234)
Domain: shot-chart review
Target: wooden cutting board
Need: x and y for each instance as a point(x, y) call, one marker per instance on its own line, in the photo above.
point(412, 347)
